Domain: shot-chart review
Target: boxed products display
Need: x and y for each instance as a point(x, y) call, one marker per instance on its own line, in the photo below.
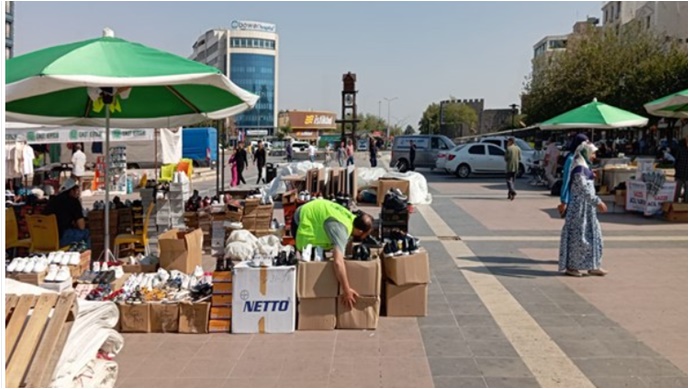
point(408, 269)
point(385, 184)
point(364, 276)
point(317, 313)
point(263, 299)
point(193, 317)
point(164, 317)
point(364, 315)
point(317, 289)
point(179, 250)
point(135, 317)
point(406, 284)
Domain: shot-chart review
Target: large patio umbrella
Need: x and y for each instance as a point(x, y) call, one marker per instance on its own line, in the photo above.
point(594, 115)
point(110, 81)
point(672, 106)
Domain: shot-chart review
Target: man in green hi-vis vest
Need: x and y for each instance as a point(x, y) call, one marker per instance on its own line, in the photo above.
point(323, 223)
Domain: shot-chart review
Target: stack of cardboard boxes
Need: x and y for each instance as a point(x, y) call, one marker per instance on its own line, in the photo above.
point(365, 278)
point(257, 217)
point(96, 224)
point(317, 290)
point(406, 284)
point(221, 302)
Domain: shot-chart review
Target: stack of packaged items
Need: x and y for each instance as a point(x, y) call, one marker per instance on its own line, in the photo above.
point(364, 277)
point(407, 276)
point(317, 291)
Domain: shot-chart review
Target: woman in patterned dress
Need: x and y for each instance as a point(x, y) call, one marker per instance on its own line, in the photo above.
point(581, 242)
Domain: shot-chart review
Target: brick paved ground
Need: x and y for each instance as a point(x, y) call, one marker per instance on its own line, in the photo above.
point(499, 314)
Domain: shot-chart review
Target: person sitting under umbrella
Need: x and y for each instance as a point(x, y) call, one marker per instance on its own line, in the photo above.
point(66, 207)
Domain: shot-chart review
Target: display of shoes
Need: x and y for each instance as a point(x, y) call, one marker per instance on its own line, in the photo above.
point(361, 253)
point(41, 264)
point(53, 269)
point(12, 267)
point(28, 267)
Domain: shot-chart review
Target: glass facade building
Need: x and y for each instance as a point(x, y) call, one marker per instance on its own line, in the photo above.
point(256, 74)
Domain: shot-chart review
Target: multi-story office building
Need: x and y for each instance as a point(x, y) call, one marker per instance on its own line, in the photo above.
point(666, 18)
point(552, 45)
point(9, 29)
point(247, 53)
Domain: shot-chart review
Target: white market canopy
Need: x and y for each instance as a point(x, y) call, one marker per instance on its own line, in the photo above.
point(46, 134)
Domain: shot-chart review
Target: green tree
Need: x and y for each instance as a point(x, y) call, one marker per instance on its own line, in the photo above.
point(430, 120)
point(369, 123)
point(458, 120)
point(625, 69)
point(409, 130)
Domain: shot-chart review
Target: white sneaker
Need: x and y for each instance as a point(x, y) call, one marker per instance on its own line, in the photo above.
point(132, 260)
point(64, 259)
point(63, 274)
point(96, 267)
point(21, 264)
point(41, 265)
point(75, 259)
point(198, 271)
point(52, 272)
point(318, 254)
point(51, 256)
point(163, 275)
point(306, 253)
point(30, 263)
point(104, 266)
point(119, 272)
point(13, 265)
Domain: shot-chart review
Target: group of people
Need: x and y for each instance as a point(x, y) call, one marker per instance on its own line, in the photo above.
point(239, 161)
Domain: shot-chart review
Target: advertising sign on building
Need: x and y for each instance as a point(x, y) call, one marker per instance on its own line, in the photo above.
point(245, 25)
point(312, 120)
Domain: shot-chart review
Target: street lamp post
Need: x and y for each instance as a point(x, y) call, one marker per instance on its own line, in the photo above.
point(387, 133)
point(514, 111)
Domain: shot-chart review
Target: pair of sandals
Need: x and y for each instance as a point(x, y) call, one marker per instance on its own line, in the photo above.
point(594, 272)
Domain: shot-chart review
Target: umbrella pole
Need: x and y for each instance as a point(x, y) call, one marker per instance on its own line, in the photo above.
point(106, 253)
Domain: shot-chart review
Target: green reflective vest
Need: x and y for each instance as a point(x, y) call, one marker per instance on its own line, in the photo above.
point(312, 217)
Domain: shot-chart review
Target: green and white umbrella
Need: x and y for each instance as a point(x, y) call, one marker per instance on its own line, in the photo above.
point(594, 115)
point(111, 81)
point(672, 106)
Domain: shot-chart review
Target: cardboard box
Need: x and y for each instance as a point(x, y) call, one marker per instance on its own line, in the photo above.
point(58, 287)
point(135, 317)
point(621, 198)
point(180, 251)
point(316, 280)
point(193, 317)
point(221, 313)
point(222, 288)
point(364, 276)
point(385, 184)
point(140, 268)
point(364, 316)
point(408, 269)
point(264, 299)
point(30, 278)
point(407, 300)
point(317, 314)
point(675, 212)
point(221, 300)
point(222, 276)
point(164, 317)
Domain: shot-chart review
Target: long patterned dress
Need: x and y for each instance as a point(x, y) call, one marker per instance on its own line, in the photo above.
point(581, 242)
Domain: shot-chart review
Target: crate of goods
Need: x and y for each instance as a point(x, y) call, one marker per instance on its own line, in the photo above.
point(317, 291)
point(365, 278)
point(266, 303)
point(385, 184)
point(406, 284)
point(221, 302)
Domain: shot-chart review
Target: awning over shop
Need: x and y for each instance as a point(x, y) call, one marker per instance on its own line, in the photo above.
point(37, 134)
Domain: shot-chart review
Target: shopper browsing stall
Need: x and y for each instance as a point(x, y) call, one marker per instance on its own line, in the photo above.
point(66, 207)
point(78, 163)
point(323, 223)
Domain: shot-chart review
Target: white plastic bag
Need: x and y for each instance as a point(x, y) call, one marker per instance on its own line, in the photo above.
point(239, 251)
point(242, 236)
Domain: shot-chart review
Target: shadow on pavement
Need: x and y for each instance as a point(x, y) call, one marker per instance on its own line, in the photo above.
point(510, 260)
point(516, 271)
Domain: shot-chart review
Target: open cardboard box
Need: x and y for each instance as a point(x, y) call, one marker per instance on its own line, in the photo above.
point(180, 250)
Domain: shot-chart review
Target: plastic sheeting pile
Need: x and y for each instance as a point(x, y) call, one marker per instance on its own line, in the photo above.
point(242, 244)
point(418, 186)
point(91, 332)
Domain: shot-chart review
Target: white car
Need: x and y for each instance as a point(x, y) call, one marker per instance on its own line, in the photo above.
point(478, 158)
point(441, 159)
point(300, 147)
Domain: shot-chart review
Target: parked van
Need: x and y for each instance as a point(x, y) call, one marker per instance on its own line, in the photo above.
point(427, 148)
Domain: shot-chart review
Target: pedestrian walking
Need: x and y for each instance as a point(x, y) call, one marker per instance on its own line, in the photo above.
point(288, 150)
point(512, 157)
point(350, 153)
point(412, 155)
point(234, 177)
point(78, 163)
point(581, 241)
point(681, 171)
point(260, 161)
point(313, 152)
point(552, 154)
point(373, 151)
point(328, 155)
point(564, 189)
point(242, 162)
point(342, 154)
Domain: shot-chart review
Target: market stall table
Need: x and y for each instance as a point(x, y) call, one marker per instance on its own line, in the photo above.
point(638, 199)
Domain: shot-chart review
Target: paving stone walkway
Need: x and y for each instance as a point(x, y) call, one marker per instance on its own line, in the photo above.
point(499, 314)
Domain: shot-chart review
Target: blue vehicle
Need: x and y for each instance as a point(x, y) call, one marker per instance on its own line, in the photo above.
point(200, 145)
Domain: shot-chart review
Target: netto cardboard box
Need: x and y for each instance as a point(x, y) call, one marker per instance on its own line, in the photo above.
point(135, 317)
point(164, 317)
point(316, 280)
point(179, 250)
point(317, 314)
point(193, 317)
point(408, 269)
point(364, 276)
point(385, 184)
point(364, 315)
point(263, 299)
point(407, 300)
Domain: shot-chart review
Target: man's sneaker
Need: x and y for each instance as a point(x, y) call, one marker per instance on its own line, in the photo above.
point(371, 241)
point(399, 194)
point(104, 266)
point(52, 272)
point(75, 259)
point(198, 271)
point(41, 265)
point(65, 258)
point(389, 249)
point(52, 257)
point(13, 265)
point(96, 267)
point(119, 272)
point(29, 265)
point(412, 245)
point(63, 274)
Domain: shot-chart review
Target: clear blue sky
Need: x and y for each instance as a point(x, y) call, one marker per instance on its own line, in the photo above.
point(419, 52)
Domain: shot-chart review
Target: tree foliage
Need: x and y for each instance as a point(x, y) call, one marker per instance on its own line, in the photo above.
point(625, 70)
point(458, 118)
point(409, 130)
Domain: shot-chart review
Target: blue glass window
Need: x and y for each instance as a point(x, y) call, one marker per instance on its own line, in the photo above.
point(252, 43)
point(256, 74)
